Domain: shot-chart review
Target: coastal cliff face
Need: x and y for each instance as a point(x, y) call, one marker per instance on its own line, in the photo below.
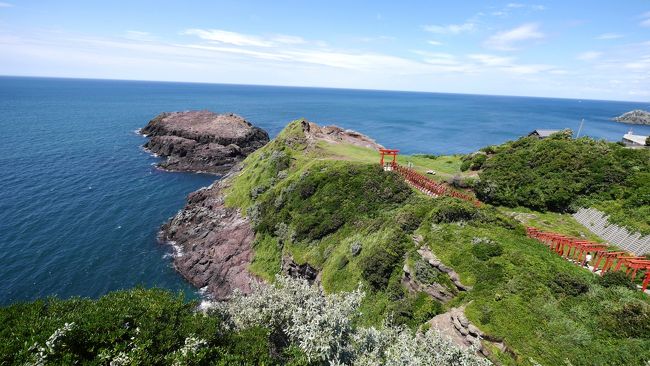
point(636, 117)
point(202, 141)
point(212, 241)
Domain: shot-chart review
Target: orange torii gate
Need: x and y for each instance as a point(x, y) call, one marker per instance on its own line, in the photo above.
point(577, 250)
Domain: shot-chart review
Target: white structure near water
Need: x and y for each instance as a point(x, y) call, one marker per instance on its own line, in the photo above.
point(630, 139)
point(597, 223)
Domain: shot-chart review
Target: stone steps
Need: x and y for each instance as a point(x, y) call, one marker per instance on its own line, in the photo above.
point(598, 223)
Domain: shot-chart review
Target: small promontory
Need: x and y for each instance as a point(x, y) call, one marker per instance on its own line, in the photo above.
point(202, 141)
point(636, 117)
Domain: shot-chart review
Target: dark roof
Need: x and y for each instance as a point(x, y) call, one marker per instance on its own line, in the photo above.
point(543, 133)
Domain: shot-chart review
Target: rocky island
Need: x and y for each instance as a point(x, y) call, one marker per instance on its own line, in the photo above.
point(636, 117)
point(202, 141)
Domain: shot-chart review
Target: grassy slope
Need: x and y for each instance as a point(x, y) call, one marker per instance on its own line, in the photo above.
point(515, 297)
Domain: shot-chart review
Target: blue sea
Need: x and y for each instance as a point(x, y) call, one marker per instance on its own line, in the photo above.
point(81, 202)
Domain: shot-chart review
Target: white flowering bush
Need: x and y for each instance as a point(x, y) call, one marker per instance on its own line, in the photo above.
point(323, 328)
point(54, 345)
point(189, 351)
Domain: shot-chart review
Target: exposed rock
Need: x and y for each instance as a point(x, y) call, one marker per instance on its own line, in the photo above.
point(213, 243)
point(335, 134)
point(435, 262)
point(637, 117)
point(355, 248)
point(293, 269)
point(202, 140)
point(435, 290)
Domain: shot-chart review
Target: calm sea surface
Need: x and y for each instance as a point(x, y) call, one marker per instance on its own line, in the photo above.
point(80, 202)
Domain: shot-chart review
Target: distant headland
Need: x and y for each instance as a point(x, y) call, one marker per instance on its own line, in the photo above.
point(636, 117)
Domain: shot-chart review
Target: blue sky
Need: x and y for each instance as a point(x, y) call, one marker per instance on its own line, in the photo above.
point(576, 49)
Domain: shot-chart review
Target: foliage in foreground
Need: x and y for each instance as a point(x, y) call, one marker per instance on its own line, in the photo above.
point(286, 323)
point(135, 327)
point(559, 173)
point(323, 327)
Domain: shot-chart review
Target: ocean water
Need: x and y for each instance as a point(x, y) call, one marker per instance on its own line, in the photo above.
point(81, 203)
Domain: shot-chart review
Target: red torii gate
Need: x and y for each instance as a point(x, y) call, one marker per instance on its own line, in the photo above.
point(388, 152)
point(577, 249)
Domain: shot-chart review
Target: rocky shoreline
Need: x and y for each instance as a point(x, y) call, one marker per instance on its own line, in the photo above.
point(214, 242)
point(202, 141)
point(636, 117)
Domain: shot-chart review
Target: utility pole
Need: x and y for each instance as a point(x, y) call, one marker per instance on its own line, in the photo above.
point(580, 128)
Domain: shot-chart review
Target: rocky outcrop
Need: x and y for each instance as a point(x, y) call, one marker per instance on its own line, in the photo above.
point(637, 117)
point(428, 256)
point(435, 290)
point(335, 134)
point(202, 141)
point(295, 270)
point(213, 242)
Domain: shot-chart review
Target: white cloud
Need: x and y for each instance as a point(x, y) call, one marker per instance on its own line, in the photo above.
point(516, 7)
point(434, 43)
point(509, 40)
point(222, 36)
point(450, 28)
point(491, 60)
point(509, 65)
point(589, 56)
point(244, 40)
point(645, 19)
point(138, 35)
point(606, 36)
point(5, 5)
point(285, 39)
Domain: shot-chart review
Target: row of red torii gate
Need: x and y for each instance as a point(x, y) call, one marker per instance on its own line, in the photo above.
point(577, 250)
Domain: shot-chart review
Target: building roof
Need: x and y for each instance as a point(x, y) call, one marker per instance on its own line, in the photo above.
point(543, 133)
point(637, 139)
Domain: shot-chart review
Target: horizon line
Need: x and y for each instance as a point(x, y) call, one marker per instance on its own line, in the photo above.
point(317, 87)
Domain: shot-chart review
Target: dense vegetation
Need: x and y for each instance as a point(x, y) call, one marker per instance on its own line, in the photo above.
point(136, 327)
point(290, 323)
point(560, 174)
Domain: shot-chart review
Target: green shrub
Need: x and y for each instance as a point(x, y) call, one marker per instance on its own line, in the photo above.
point(630, 319)
point(616, 278)
point(454, 210)
point(328, 197)
point(378, 265)
point(464, 166)
point(342, 262)
point(568, 284)
point(487, 250)
point(415, 310)
point(554, 173)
